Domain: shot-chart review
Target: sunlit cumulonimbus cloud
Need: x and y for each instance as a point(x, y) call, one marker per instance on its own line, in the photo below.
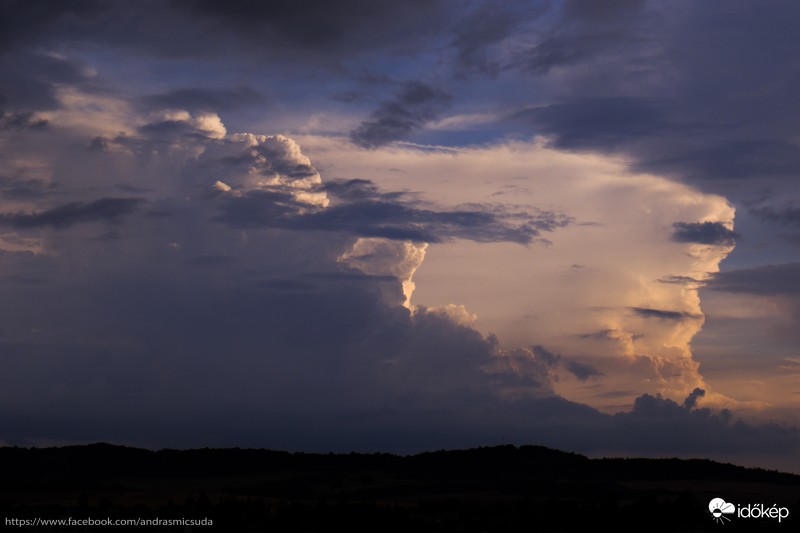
point(143, 302)
point(382, 257)
point(603, 272)
point(569, 251)
point(294, 301)
point(245, 183)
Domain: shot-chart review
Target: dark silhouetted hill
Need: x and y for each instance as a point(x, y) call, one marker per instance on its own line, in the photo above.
point(503, 488)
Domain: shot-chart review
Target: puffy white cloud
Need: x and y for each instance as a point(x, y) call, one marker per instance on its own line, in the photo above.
point(210, 124)
point(220, 186)
point(384, 257)
point(251, 162)
point(457, 313)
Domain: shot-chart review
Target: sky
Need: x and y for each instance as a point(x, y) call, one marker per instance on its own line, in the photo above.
point(402, 226)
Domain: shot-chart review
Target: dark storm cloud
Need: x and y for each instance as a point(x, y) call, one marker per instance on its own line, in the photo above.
point(725, 112)
point(324, 366)
point(744, 91)
point(164, 130)
point(350, 97)
point(285, 285)
point(585, 31)
point(350, 275)
point(318, 25)
point(589, 11)
point(386, 217)
point(21, 121)
point(202, 99)
point(488, 24)
point(602, 335)
point(212, 261)
point(415, 105)
point(568, 50)
point(15, 189)
point(728, 160)
point(366, 192)
point(24, 20)
point(613, 394)
point(662, 425)
point(704, 233)
point(545, 355)
point(582, 371)
point(645, 312)
point(311, 31)
point(308, 352)
point(679, 280)
point(691, 401)
point(97, 144)
point(64, 216)
point(360, 189)
point(24, 279)
point(788, 215)
point(520, 372)
point(30, 80)
point(595, 123)
point(191, 329)
point(770, 280)
point(605, 335)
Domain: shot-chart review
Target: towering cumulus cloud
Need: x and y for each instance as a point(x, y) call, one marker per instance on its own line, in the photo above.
point(615, 289)
point(176, 284)
point(288, 224)
point(174, 272)
point(386, 257)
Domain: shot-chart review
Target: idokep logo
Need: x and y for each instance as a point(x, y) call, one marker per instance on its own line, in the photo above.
point(719, 508)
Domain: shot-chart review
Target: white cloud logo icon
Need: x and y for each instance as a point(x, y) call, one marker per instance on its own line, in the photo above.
point(719, 508)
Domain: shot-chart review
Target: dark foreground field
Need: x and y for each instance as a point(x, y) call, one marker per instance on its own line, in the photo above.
point(503, 489)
